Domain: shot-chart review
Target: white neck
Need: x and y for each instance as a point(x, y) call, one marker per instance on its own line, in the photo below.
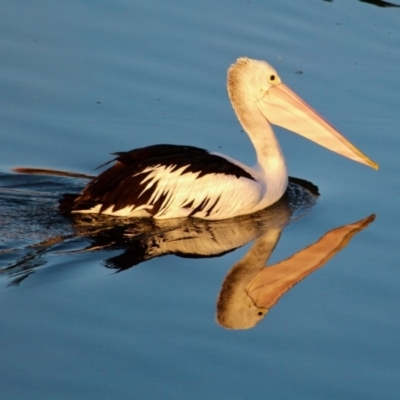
point(271, 169)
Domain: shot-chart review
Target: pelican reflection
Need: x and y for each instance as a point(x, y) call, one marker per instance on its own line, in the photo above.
point(251, 289)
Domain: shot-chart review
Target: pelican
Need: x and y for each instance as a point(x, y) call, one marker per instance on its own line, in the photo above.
point(171, 181)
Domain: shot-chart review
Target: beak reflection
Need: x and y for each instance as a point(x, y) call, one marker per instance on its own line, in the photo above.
point(252, 288)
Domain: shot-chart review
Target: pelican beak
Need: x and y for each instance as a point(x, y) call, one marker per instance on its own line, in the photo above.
point(281, 106)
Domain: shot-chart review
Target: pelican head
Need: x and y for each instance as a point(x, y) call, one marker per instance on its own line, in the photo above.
point(256, 84)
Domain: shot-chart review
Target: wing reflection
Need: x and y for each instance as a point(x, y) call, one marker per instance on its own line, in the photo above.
point(141, 241)
point(249, 290)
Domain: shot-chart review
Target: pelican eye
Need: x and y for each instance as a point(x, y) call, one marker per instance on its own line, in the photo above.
point(272, 78)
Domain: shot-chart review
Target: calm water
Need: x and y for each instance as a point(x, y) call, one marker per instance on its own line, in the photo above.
point(81, 79)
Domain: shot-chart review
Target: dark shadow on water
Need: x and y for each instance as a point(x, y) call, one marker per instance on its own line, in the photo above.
point(378, 3)
point(32, 230)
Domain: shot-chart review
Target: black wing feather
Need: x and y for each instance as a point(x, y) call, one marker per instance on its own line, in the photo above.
point(120, 185)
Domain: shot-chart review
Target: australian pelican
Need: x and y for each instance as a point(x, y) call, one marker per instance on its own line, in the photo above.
point(169, 181)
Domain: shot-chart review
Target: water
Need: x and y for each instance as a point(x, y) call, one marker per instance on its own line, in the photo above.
point(82, 79)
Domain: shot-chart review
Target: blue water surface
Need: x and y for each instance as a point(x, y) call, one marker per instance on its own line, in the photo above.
point(82, 79)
